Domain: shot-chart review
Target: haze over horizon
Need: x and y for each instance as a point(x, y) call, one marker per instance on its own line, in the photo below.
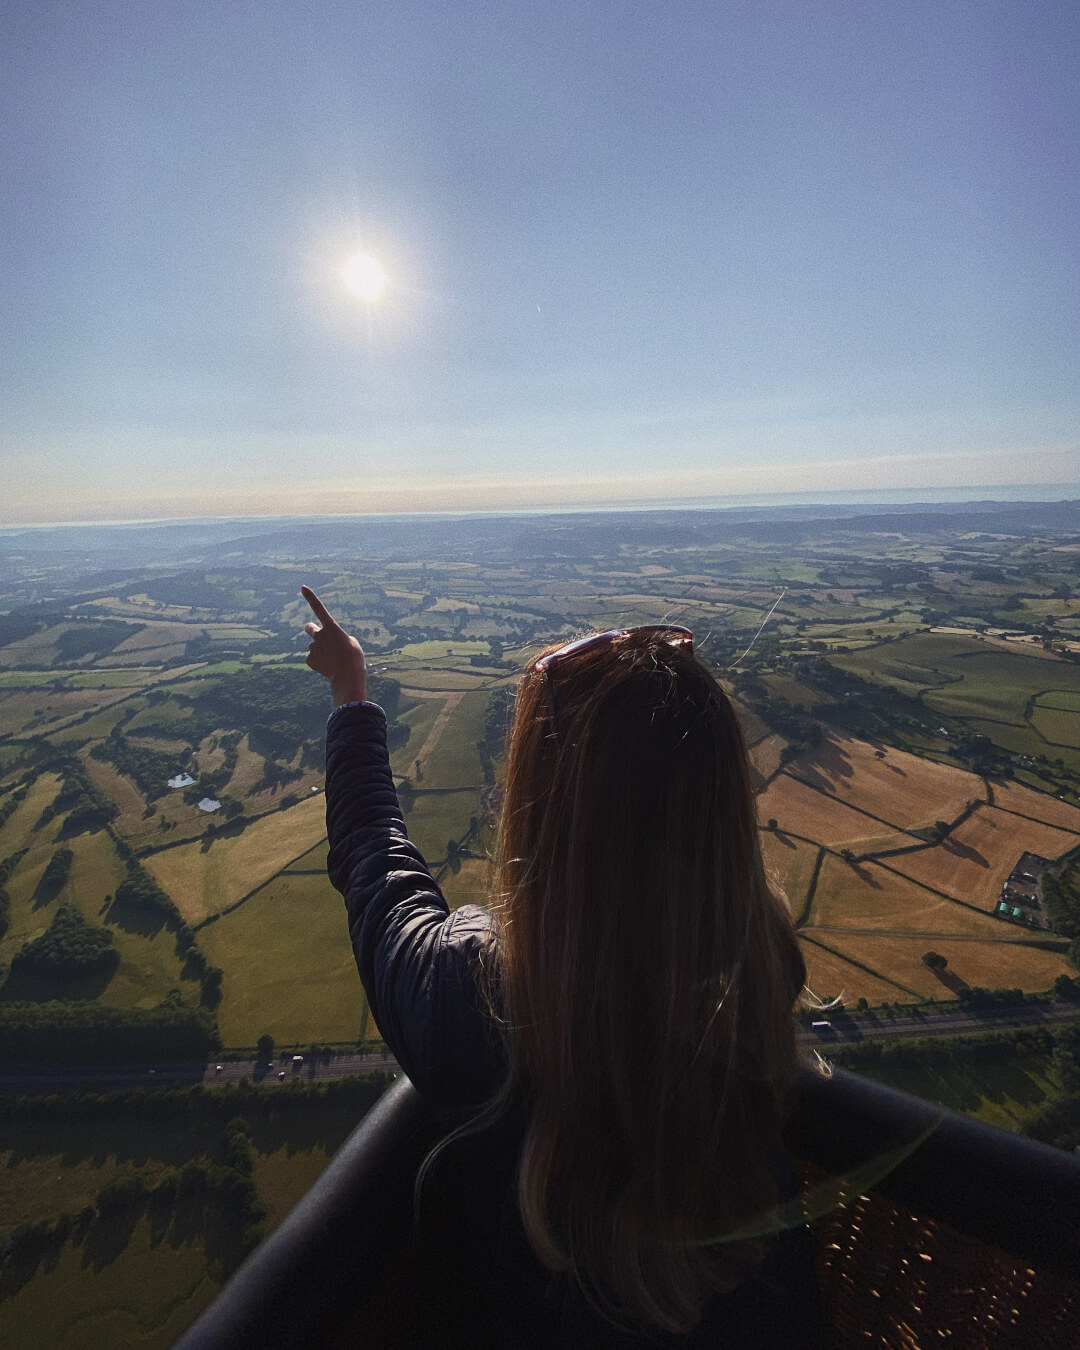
point(629, 255)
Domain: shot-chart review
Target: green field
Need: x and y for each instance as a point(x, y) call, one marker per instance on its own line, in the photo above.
point(1005, 1095)
point(137, 1275)
point(289, 967)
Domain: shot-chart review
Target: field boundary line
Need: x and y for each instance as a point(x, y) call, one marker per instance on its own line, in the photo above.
point(896, 829)
point(936, 936)
point(213, 918)
point(944, 895)
point(861, 965)
point(804, 916)
point(1022, 815)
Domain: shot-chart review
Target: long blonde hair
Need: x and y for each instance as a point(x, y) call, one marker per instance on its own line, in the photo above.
point(646, 974)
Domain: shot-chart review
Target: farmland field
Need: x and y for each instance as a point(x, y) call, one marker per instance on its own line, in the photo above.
point(804, 811)
point(791, 862)
point(989, 964)
point(867, 895)
point(1057, 726)
point(902, 789)
point(765, 756)
point(204, 880)
point(973, 862)
point(289, 968)
point(1037, 806)
point(935, 714)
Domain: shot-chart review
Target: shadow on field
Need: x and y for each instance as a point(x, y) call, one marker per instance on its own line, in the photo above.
point(299, 1131)
point(23, 986)
point(959, 850)
point(138, 919)
point(115, 1137)
point(180, 1212)
point(825, 767)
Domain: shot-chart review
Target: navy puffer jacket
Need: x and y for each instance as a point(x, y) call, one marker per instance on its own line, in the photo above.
point(417, 961)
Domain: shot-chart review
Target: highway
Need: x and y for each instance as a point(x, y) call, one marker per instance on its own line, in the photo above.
point(844, 1029)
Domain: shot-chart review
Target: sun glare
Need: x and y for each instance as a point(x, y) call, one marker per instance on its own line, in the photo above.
point(364, 276)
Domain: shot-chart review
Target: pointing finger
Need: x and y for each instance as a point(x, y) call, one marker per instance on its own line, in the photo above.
point(321, 612)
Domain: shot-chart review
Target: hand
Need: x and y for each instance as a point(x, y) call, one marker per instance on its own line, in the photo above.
point(335, 654)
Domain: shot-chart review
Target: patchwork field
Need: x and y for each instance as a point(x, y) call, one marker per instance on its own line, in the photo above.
point(1006, 965)
point(1037, 806)
point(790, 861)
point(905, 790)
point(868, 895)
point(973, 862)
point(765, 757)
point(1057, 726)
point(829, 976)
point(204, 879)
point(804, 811)
point(470, 885)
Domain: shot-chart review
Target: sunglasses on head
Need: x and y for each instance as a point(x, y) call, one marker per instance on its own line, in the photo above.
point(676, 636)
point(673, 633)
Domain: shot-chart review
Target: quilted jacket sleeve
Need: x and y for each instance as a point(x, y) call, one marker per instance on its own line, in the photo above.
point(417, 961)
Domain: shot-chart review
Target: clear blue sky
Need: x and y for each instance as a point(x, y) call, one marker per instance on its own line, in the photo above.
point(632, 250)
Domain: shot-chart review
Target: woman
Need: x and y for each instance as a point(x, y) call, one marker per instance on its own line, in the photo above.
point(623, 1013)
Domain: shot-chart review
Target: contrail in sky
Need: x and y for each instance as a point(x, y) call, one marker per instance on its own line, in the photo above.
point(764, 621)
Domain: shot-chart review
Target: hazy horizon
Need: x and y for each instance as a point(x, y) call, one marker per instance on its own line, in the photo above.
point(608, 255)
point(919, 496)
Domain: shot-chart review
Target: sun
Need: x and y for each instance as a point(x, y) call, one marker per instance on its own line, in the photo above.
point(364, 276)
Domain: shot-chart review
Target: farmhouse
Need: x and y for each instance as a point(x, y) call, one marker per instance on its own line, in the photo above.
point(1021, 892)
point(182, 780)
point(208, 804)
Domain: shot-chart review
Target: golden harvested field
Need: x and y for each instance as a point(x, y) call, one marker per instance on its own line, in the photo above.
point(906, 791)
point(994, 965)
point(813, 815)
point(865, 895)
point(790, 862)
point(829, 975)
point(753, 728)
point(765, 757)
point(974, 861)
point(248, 771)
point(120, 789)
point(470, 886)
point(1037, 805)
point(203, 883)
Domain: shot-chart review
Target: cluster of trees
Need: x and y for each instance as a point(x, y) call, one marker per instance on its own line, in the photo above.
point(94, 639)
point(69, 947)
point(139, 890)
point(790, 720)
point(942, 1051)
point(149, 769)
point(7, 867)
point(87, 807)
point(498, 716)
point(219, 1199)
point(11, 803)
point(197, 1102)
point(86, 1033)
point(1061, 895)
point(54, 878)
